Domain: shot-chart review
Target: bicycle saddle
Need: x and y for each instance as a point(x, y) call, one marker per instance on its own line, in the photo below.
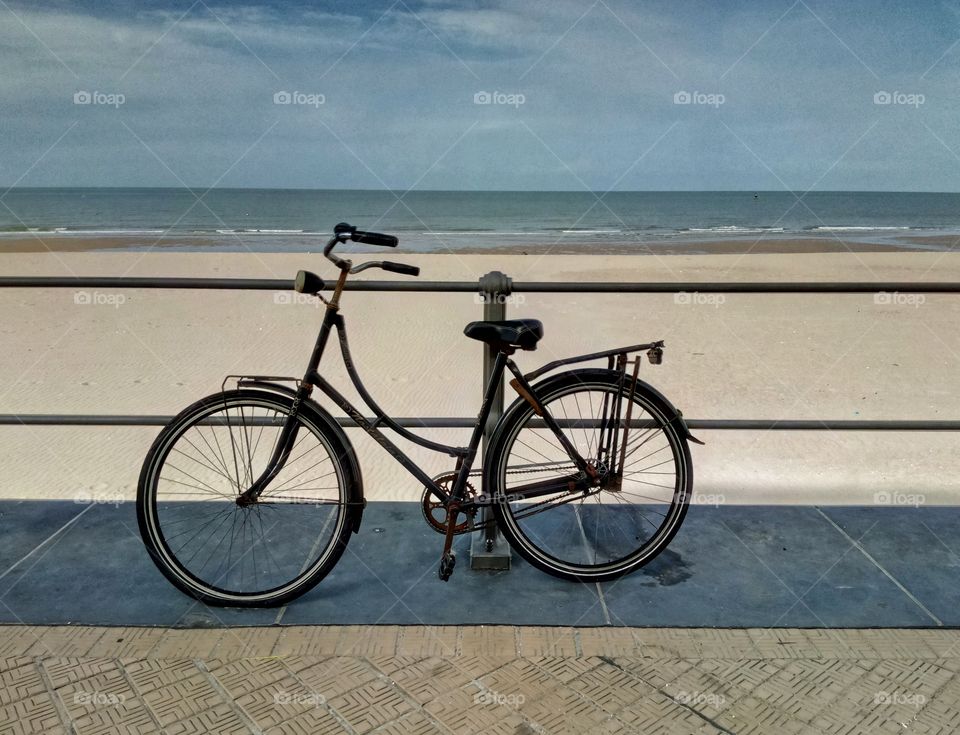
point(522, 333)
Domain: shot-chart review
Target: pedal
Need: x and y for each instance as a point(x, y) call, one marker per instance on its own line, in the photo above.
point(447, 563)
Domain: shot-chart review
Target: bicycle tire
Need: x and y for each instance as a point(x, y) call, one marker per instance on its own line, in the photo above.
point(211, 479)
point(559, 534)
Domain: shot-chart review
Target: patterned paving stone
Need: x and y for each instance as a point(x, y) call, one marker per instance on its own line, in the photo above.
point(548, 642)
point(371, 706)
point(335, 676)
point(36, 714)
point(479, 680)
point(182, 699)
point(151, 674)
point(314, 721)
point(221, 719)
point(21, 682)
point(428, 640)
point(65, 640)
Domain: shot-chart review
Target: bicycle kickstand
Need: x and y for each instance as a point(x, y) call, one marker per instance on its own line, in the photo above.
point(449, 558)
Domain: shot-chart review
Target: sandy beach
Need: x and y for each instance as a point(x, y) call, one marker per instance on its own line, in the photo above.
point(732, 356)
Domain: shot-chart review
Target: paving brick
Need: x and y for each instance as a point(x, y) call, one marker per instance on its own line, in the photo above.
point(547, 642)
point(106, 691)
point(307, 641)
point(360, 640)
point(21, 682)
point(606, 641)
point(315, 721)
point(126, 642)
point(494, 641)
point(412, 723)
point(64, 641)
point(428, 640)
point(516, 681)
point(610, 687)
point(459, 711)
point(16, 640)
point(370, 706)
point(332, 677)
point(36, 714)
point(275, 703)
point(666, 643)
point(783, 643)
point(238, 676)
point(712, 643)
point(658, 673)
point(180, 700)
point(564, 670)
point(150, 674)
point(220, 719)
point(422, 680)
point(187, 644)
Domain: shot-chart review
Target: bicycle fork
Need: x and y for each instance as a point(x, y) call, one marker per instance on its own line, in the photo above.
point(281, 452)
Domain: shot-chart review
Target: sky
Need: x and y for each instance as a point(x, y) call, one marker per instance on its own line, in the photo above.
point(562, 95)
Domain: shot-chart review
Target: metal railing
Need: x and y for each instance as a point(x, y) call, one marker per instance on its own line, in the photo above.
point(490, 552)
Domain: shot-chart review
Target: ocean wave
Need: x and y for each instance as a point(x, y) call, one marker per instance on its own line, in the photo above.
point(480, 233)
point(859, 228)
point(71, 231)
point(262, 231)
point(732, 228)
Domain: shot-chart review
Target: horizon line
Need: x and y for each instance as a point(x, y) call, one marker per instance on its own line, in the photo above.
point(485, 191)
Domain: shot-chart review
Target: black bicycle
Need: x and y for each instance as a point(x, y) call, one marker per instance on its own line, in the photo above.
point(248, 497)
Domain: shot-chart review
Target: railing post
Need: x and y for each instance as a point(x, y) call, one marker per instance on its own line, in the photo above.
point(488, 550)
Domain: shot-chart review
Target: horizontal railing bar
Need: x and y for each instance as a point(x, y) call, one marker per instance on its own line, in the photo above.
point(826, 425)
point(444, 422)
point(279, 284)
point(54, 419)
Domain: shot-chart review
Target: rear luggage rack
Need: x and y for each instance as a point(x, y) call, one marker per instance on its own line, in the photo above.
point(654, 354)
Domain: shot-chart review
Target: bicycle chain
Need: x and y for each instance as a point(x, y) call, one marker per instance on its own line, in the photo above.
point(526, 512)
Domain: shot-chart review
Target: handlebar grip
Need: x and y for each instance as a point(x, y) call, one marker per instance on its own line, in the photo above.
point(375, 238)
point(403, 268)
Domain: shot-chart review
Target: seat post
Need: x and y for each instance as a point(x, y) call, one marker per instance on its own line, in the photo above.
point(490, 551)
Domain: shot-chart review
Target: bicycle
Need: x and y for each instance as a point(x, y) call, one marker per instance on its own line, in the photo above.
point(217, 501)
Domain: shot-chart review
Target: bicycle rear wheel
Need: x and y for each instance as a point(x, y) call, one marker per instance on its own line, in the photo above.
point(602, 532)
point(256, 555)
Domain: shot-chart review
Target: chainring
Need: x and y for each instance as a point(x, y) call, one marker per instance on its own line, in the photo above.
point(434, 511)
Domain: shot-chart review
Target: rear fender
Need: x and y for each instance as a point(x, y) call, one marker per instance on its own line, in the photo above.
point(673, 414)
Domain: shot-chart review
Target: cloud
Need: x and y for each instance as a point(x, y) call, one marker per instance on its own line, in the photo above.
point(398, 82)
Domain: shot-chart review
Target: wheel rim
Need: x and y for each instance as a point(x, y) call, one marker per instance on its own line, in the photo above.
point(609, 530)
point(260, 551)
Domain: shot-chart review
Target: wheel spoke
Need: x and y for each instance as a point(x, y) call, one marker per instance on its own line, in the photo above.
point(609, 526)
point(232, 552)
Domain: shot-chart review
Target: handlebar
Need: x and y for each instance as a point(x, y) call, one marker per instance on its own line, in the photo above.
point(403, 268)
point(368, 238)
point(344, 232)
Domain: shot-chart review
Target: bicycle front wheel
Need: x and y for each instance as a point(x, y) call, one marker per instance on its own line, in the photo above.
point(601, 532)
point(256, 555)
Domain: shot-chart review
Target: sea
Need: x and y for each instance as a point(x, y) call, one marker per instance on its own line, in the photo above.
point(295, 220)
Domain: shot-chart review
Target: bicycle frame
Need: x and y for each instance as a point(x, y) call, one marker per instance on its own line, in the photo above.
point(584, 478)
point(465, 456)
